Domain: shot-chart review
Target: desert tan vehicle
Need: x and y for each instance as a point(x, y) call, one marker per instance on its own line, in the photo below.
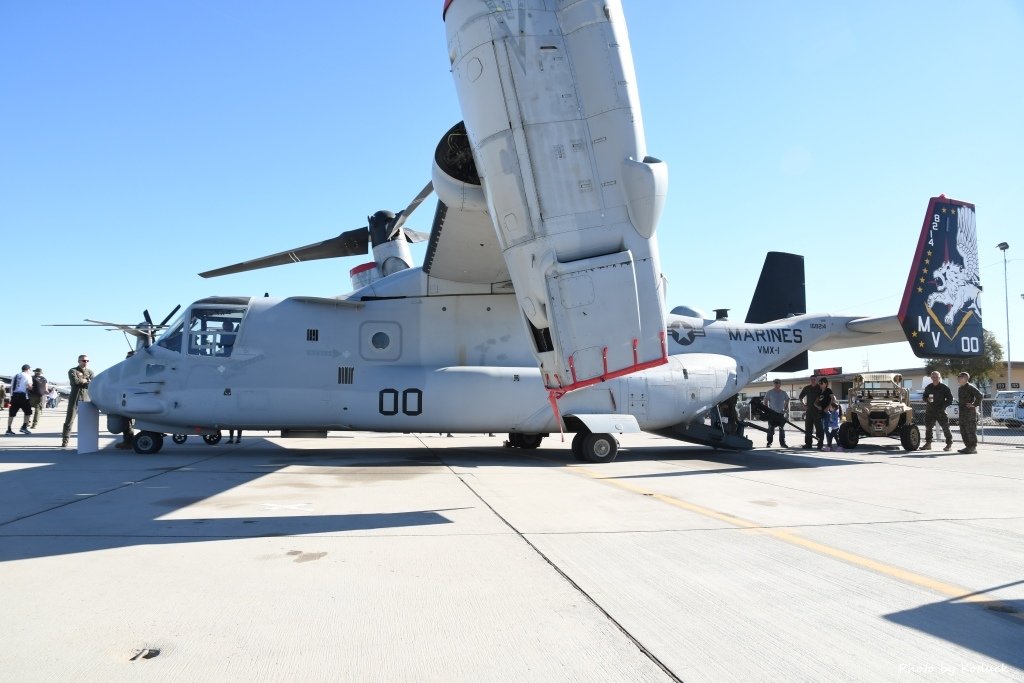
point(879, 406)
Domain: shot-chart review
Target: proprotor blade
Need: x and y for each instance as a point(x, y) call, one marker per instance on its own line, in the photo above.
point(404, 214)
point(163, 323)
point(349, 243)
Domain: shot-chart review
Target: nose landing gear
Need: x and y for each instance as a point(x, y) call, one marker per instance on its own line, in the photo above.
point(148, 443)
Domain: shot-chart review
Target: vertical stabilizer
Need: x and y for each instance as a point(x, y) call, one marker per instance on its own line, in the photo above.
point(941, 309)
point(780, 293)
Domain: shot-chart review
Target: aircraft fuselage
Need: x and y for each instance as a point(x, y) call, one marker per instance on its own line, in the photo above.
point(426, 363)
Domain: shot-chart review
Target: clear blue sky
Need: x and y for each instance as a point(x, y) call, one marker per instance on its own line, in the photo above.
point(143, 142)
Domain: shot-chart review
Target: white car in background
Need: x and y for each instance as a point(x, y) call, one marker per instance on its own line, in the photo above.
point(1008, 408)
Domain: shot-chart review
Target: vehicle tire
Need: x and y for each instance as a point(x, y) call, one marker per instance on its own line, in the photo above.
point(577, 445)
point(179, 438)
point(848, 436)
point(910, 437)
point(599, 448)
point(148, 443)
point(530, 441)
point(515, 440)
point(212, 439)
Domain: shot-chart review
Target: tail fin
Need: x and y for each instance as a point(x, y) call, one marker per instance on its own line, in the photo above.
point(780, 293)
point(941, 309)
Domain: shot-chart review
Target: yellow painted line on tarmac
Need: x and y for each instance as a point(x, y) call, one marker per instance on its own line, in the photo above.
point(950, 590)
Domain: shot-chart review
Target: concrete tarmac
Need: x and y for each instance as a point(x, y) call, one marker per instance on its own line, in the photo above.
point(420, 557)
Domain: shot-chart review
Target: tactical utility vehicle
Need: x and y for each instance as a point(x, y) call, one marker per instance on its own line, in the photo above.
point(879, 405)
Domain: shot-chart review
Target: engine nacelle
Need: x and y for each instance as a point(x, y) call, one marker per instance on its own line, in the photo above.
point(454, 175)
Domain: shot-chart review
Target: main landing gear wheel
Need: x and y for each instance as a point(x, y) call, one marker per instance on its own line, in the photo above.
point(594, 447)
point(148, 443)
point(179, 438)
point(848, 436)
point(527, 441)
point(910, 437)
point(212, 439)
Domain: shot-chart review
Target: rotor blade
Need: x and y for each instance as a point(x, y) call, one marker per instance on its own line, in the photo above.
point(348, 243)
point(145, 314)
point(415, 235)
point(130, 329)
point(404, 214)
point(163, 323)
point(87, 323)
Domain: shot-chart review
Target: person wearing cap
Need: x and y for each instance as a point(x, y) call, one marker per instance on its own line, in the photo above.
point(21, 384)
point(37, 395)
point(80, 376)
point(777, 401)
point(968, 399)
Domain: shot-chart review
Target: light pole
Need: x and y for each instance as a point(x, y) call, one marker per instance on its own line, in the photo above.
point(1003, 246)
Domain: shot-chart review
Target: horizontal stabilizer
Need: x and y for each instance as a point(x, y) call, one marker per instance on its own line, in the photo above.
point(941, 309)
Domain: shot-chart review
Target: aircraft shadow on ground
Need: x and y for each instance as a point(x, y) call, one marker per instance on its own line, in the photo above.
point(111, 512)
point(738, 462)
point(116, 513)
point(992, 629)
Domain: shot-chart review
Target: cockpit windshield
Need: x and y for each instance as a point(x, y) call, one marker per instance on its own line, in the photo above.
point(207, 330)
point(171, 338)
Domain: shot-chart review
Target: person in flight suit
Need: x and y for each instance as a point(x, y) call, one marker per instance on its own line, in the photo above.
point(937, 397)
point(968, 398)
point(80, 376)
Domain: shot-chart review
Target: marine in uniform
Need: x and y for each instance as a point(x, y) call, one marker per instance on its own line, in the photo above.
point(968, 398)
point(812, 415)
point(37, 396)
point(937, 397)
point(79, 376)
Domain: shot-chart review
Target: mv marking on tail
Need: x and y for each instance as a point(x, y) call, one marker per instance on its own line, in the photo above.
point(941, 311)
point(539, 306)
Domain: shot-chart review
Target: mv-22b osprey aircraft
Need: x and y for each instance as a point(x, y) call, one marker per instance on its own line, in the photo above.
point(540, 304)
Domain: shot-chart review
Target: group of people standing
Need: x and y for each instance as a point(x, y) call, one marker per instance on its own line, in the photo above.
point(823, 413)
point(31, 391)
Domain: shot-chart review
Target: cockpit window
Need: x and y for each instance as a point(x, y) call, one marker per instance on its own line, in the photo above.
point(171, 339)
point(212, 331)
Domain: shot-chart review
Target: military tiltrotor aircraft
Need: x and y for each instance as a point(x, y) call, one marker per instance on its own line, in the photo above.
point(539, 306)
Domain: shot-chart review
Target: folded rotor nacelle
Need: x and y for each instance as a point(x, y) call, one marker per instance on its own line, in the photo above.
point(553, 121)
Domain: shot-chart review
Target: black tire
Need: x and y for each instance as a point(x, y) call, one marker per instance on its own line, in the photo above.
point(910, 437)
point(148, 443)
point(179, 438)
point(848, 436)
point(599, 448)
point(530, 441)
point(577, 445)
point(212, 439)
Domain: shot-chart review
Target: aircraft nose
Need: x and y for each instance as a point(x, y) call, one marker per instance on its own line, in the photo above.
point(101, 392)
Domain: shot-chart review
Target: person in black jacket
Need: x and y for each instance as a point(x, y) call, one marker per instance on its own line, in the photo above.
point(812, 414)
point(824, 401)
point(937, 397)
